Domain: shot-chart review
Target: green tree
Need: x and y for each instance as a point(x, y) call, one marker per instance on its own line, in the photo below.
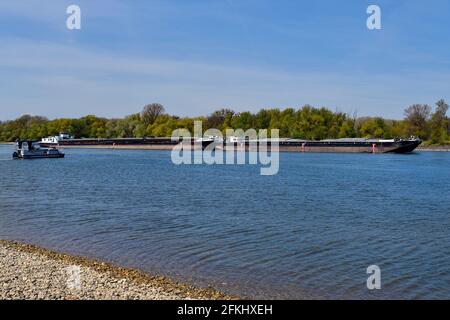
point(151, 112)
point(375, 128)
point(220, 119)
point(287, 119)
point(347, 129)
point(242, 120)
point(439, 123)
point(417, 117)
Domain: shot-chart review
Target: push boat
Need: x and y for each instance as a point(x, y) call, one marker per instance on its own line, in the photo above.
point(33, 150)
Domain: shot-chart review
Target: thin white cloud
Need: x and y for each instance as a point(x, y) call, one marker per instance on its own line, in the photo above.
point(65, 80)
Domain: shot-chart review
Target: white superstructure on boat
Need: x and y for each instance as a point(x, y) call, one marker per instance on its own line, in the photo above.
point(54, 140)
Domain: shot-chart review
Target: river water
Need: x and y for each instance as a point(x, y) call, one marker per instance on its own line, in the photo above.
point(310, 231)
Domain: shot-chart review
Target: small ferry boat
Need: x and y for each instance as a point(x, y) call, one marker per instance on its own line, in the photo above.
point(33, 150)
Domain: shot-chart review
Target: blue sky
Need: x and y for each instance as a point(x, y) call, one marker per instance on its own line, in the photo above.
point(195, 56)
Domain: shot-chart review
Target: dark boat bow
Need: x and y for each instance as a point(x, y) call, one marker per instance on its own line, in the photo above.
point(406, 146)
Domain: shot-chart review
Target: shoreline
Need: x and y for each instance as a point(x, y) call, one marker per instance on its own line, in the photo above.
point(443, 148)
point(170, 147)
point(32, 272)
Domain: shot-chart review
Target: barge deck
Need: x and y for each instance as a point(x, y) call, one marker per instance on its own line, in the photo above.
point(285, 145)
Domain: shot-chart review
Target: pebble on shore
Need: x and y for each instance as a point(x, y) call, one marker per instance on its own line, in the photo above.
point(29, 272)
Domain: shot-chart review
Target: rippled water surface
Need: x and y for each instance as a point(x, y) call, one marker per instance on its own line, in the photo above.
point(310, 231)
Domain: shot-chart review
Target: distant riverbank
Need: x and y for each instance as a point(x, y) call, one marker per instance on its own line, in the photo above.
point(422, 148)
point(444, 148)
point(170, 147)
point(31, 272)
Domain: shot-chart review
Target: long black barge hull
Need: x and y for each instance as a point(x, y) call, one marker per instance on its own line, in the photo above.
point(117, 142)
point(29, 157)
point(401, 146)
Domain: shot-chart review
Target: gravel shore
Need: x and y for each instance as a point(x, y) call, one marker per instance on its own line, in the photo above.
point(30, 272)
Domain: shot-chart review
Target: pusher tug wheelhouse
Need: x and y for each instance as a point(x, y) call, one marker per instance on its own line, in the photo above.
point(32, 150)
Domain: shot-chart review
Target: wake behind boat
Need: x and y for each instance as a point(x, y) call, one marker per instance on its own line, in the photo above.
point(33, 150)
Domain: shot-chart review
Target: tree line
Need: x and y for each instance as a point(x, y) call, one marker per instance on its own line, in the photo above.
point(307, 122)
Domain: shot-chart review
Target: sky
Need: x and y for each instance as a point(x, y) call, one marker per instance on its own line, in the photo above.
point(196, 56)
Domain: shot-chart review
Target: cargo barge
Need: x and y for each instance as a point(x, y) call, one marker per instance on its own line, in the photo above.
point(347, 145)
point(352, 145)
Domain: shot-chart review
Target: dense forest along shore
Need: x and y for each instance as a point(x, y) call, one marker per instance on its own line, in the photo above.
point(308, 123)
